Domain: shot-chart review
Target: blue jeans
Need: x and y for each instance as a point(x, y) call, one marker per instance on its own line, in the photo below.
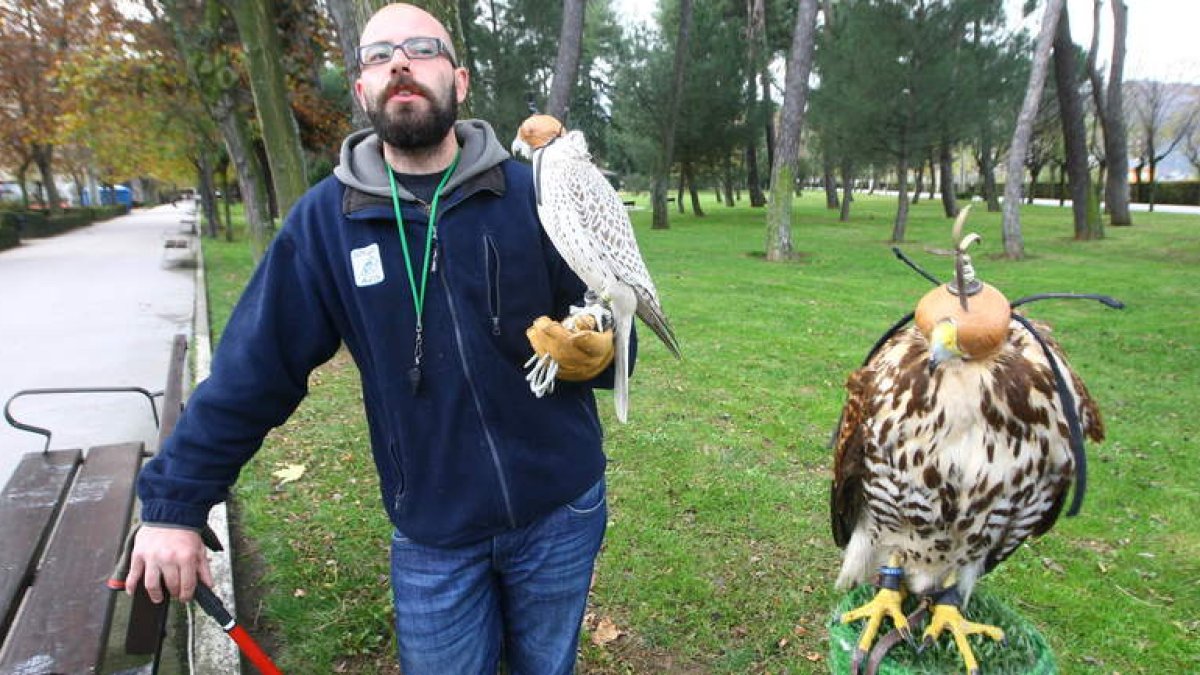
point(521, 594)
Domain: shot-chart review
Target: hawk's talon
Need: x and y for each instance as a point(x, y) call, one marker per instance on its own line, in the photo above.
point(887, 603)
point(948, 617)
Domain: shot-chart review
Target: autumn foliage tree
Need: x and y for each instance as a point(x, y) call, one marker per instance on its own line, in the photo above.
point(37, 37)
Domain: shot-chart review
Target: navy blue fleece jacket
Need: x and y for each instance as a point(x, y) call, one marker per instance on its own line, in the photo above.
point(473, 453)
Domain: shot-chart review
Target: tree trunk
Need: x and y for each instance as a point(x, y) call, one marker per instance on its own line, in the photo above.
point(566, 65)
point(901, 223)
point(769, 118)
point(919, 184)
point(251, 181)
point(679, 192)
point(43, 157)
point(1109, 103)
point(757, 198)
point(695, 194)
point(1014, 244)
point(987, 171)
point(932, 176)
point(1116, 148)
point(218, 87)
point(1033, 181)
point(795, 94)
point(226, 198)
point(23, 179)
point(349, 25)
point(205, 183)
point(728, 181)
point(264, 59)
point(1153, 182)
point(847, 188)
point(946, 167)
point(831, 195)
point(1074, 131)
point(755, 22)
point(658, 196)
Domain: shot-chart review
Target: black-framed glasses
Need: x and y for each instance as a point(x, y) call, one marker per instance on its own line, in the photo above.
point(416, 48)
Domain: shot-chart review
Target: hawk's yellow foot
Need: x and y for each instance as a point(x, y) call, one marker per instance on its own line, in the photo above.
point(947, 615)
point(887, 602)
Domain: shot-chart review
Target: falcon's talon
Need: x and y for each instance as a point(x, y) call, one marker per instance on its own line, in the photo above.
point(541, 377)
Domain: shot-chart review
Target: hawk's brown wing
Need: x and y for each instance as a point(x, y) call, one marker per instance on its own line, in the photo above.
point(845, 495)
point(1025, 376)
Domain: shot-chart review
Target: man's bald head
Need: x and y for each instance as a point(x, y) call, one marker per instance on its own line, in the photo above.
point(399, 21)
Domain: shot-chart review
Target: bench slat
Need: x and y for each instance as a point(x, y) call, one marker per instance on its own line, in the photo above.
point(28, 504)
point(62, 624)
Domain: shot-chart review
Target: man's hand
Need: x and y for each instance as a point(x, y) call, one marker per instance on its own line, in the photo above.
point(572, 350)
point(169, 558)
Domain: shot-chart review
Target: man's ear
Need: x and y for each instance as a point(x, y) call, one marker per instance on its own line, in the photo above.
point(358, 94)
point(462, 83)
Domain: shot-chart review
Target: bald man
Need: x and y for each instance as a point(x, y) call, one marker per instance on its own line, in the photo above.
point(423, 254)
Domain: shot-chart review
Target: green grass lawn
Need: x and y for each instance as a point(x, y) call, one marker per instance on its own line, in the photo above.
point(718, 557)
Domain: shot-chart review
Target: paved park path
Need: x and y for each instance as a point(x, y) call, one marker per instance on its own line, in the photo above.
point(97, 306)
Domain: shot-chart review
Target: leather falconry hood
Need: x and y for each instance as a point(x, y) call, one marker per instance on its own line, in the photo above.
point(979, 310)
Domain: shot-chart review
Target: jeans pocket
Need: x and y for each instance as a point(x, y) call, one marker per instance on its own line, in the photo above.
point(590, 500)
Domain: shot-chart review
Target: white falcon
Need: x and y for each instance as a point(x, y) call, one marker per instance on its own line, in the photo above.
point(585, 219)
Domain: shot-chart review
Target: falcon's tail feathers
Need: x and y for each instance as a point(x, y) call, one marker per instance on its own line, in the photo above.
point(624, 324)
point(652, 315)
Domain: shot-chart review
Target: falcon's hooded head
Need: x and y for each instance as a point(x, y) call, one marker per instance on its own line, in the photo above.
point(536, 132)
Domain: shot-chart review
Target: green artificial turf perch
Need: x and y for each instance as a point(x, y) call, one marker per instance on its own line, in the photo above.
point(1026, 651)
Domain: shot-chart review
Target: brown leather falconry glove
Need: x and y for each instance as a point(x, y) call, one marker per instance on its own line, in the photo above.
point(573, 350)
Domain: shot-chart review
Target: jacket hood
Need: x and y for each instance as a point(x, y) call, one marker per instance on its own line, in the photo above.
point(361, 164)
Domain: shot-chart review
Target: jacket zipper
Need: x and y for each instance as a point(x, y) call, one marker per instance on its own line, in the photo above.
point(487, 432)
point(491, 261)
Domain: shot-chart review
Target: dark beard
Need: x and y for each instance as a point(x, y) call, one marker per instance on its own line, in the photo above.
point(410, 130)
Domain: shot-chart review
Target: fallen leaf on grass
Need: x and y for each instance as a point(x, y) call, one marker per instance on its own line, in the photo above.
point(289, 474)
point(606, 631)
point(814, 656)
point(1050, 564)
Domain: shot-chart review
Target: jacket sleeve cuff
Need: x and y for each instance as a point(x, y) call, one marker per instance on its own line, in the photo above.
point(170, 526)
point(167, 514)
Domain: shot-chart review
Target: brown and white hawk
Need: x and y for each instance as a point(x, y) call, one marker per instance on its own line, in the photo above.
point(959, 439)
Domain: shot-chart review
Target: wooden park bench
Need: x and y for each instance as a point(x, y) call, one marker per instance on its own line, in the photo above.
point(64, 517)
point(177, 249)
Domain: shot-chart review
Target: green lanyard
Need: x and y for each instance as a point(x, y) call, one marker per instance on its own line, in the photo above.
point(414, 373)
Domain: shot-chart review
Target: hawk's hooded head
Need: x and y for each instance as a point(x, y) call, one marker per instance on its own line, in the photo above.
point(964, 319)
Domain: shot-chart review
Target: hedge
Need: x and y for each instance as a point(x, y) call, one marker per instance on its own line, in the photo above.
point(17, 225)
